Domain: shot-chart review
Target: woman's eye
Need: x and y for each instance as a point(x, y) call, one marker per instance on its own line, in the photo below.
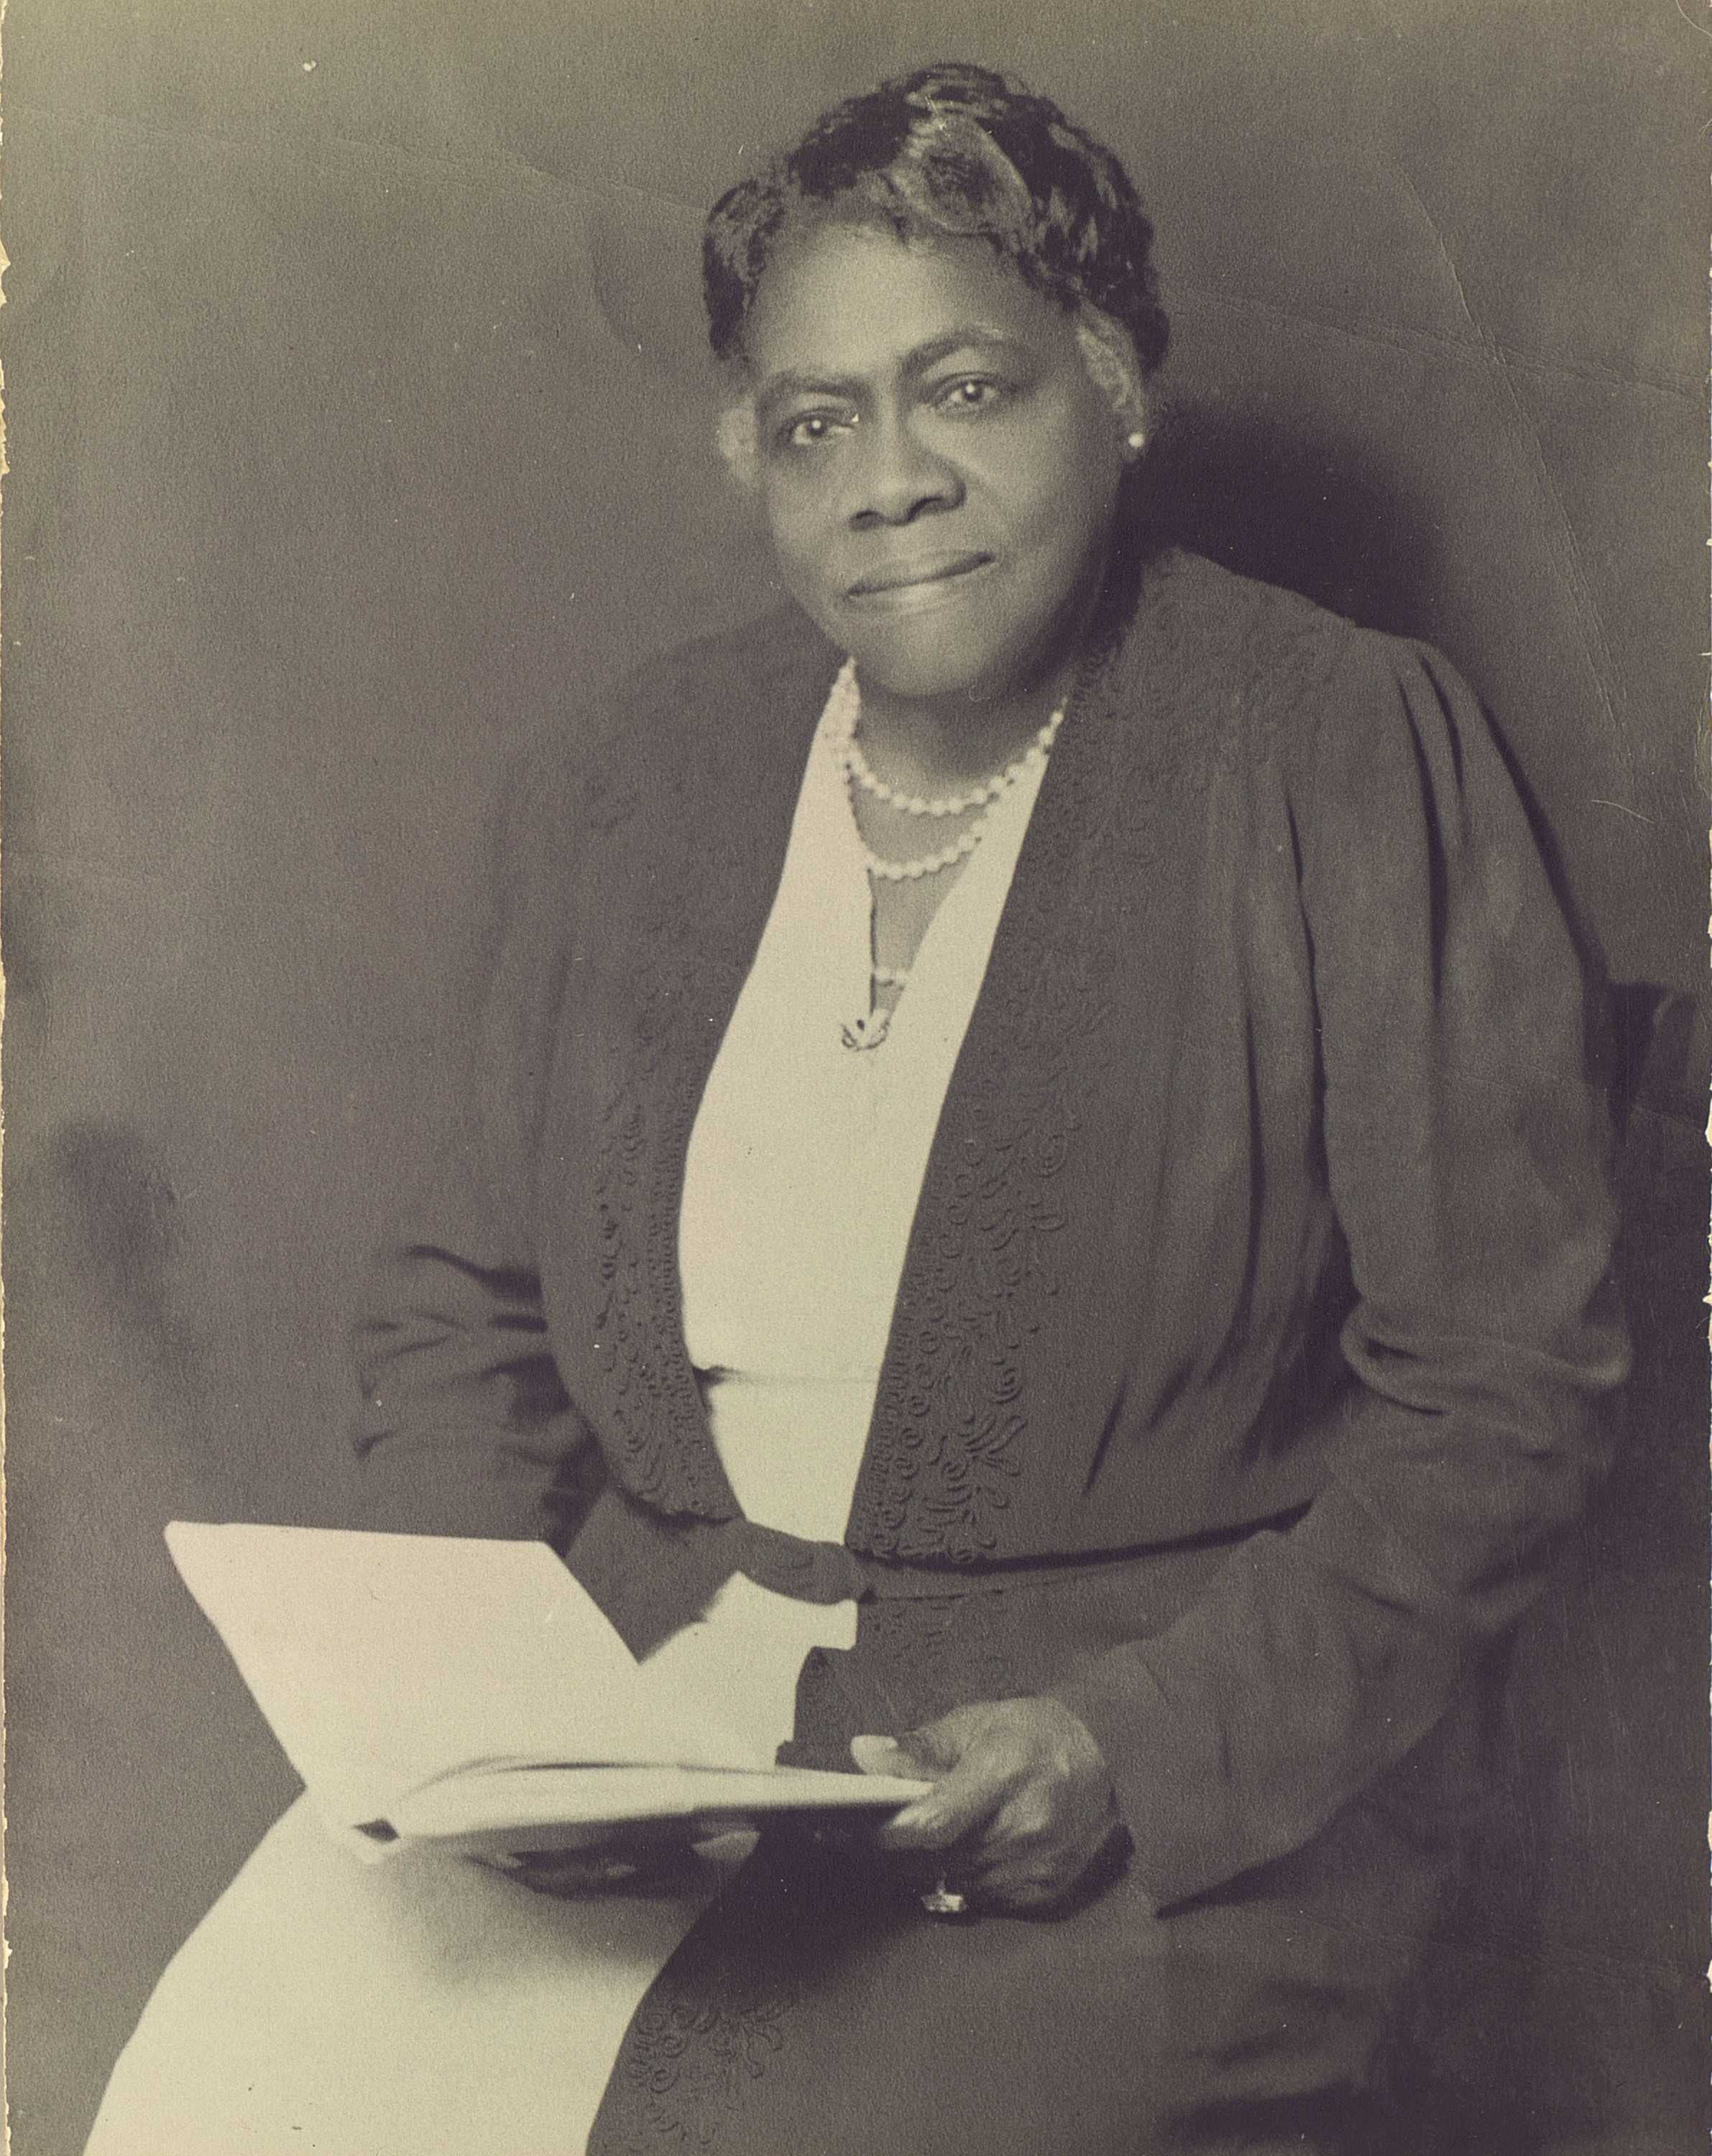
point(811, 429)
point(974, 392)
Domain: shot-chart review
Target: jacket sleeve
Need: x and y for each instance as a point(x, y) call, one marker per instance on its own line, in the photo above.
point(466, 1426)
point(1465, 1152)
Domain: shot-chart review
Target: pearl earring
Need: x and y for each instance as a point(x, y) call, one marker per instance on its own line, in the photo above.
point(1136, 440)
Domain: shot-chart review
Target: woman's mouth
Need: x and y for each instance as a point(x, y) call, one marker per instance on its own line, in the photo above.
point(923, 582)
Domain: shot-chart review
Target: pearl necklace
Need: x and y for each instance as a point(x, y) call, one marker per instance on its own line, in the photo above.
point(947, 804)
point(845, 701)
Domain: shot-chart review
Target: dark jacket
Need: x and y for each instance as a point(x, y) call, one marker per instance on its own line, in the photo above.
point(1266, 1216)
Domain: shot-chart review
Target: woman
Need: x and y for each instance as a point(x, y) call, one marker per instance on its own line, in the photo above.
point(1035, 1106)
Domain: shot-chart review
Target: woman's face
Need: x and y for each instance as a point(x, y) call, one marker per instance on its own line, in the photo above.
point(939, 472)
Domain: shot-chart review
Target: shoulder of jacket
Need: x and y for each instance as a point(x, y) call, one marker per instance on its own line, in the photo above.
point(1260, 663)
point(1235, 622)
point(589, 756)
point(714, 679)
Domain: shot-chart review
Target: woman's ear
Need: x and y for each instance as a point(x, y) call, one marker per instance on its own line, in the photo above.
point(1109, 356)
point(738, 443)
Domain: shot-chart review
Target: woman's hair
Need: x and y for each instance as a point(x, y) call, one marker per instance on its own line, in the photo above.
point(957, 152)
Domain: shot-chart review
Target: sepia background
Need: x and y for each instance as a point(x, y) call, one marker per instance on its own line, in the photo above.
point(355, 413)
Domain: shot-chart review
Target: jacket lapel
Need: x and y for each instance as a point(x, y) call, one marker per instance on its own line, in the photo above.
point(690, 873)
point(997, 1346)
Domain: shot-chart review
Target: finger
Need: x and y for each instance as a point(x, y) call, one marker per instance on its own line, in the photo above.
point(928, 1754)
point(1024, 1822)
point(1039, 1872)
point(1030, 1819)
point(612, 1861)
point(959, 1805)
point(936, 1747)
point(914, 1829)
point(1023, 1894)
point(885, 1755)
point(927, 1823)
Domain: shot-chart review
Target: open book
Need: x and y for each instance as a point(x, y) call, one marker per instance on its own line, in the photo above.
point(472, 1694)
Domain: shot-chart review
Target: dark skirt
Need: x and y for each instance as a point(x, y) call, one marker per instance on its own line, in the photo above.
point(816, 2009)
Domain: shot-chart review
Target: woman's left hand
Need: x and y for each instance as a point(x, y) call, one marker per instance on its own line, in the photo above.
point(1022, 1794)
point(639, 1860)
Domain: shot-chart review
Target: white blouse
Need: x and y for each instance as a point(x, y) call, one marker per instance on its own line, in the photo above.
point(807, 1157)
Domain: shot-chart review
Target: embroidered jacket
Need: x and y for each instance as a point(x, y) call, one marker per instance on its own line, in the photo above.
point(1267, 1203)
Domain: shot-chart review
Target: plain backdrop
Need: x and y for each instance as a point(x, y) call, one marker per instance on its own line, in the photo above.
point(357, 412)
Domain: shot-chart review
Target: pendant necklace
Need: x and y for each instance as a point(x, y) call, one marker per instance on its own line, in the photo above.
point(844, 711)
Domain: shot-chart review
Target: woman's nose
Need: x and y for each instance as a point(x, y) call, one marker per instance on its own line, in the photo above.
point(899, 477)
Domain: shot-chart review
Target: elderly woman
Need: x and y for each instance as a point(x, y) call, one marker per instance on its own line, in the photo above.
point(1035, 1104)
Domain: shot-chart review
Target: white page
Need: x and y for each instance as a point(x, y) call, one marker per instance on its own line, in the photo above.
point(554, 1808)
point(382, 1661)
point(741, 1657)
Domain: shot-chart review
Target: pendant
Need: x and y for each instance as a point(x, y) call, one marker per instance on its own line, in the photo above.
point(867, 1032)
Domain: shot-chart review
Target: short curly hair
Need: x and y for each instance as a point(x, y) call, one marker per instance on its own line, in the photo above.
point(951, 152)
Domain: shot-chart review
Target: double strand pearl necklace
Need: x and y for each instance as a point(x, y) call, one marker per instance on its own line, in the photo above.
point(844, 710)
point(845, 703)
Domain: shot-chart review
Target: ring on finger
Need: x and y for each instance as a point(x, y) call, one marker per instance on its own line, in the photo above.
point(943, 1899)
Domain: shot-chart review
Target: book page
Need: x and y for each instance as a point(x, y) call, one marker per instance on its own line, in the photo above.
point(565, 1807)
point(384, 1661)
point(743, 1655)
